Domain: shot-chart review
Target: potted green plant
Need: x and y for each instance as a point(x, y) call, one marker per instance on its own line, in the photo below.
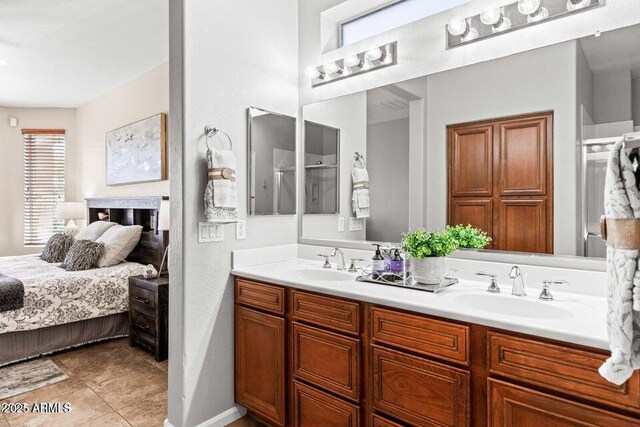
point(427, 250)
point(469, 237)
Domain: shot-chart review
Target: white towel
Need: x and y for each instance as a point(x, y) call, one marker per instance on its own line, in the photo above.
point(622, 200)
point(360, 197)
point(221, 198)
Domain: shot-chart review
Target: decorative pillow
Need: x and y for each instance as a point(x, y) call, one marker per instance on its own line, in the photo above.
point(83, 255)
point(57, 248)
point(94, 230)
point(118, 241)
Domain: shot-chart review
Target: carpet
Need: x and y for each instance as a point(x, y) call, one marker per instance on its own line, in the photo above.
point(29, 376)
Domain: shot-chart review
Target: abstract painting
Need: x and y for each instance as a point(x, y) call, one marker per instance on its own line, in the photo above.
point(136, 152)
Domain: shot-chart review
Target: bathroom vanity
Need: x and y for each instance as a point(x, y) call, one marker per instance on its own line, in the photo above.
point(308, 356)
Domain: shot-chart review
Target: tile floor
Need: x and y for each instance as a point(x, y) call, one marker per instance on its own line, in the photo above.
point(110, 385)
point(246, 421)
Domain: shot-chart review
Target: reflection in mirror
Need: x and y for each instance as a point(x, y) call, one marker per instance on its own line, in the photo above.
point(321, 169)
point(516, 146)
point(272, 167)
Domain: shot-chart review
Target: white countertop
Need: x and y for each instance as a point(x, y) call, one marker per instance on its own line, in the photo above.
point(583, 321)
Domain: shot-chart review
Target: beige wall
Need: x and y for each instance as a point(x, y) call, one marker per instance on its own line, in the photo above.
point(137, 99)
point(12, 163)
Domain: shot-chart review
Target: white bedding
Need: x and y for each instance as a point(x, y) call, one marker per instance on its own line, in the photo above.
point(54, 296)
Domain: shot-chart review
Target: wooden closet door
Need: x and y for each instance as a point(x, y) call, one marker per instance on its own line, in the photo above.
point(523, 158)
point(471, 160)
point(477, 211)
point(523, 225)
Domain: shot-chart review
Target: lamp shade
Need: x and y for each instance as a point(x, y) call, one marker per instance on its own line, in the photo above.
point(70, 210)
point(164, 215)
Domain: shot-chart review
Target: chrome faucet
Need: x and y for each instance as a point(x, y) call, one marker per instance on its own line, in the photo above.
point(518, 282)
point(494, 288)
point(340, 255)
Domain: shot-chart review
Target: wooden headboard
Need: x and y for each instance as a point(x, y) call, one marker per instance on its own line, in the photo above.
point(134, 211)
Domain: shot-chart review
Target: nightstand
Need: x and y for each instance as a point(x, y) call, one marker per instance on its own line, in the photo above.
point(149, 314)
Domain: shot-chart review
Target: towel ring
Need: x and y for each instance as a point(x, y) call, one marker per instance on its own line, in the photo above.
point(359, 158)
point(210, 132)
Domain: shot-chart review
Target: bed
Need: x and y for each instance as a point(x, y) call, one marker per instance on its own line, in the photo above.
point(64, 309)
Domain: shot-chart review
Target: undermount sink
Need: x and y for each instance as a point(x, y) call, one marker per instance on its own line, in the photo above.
point(513, 306)
point(323, 275)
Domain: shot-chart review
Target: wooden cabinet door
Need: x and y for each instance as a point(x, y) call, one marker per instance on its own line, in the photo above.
point(471, 160)
point(524, 225)
point(313, 408)
point(260, 364)
point(515, 406)
point(524, 156)
point(477, 211)
point(419, 391)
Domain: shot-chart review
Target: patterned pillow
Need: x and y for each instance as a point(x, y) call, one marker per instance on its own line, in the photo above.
point(83, 255)
point(57, 248)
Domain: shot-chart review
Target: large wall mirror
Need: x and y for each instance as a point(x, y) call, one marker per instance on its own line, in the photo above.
point(272, 163)
point(516, 146)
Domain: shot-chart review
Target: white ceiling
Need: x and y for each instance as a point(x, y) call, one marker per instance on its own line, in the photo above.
point(388, 103)
point(64, 53)
point(614, 50)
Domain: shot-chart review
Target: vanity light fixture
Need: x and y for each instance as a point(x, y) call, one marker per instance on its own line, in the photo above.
point(533, 10)
point(496, 19)
point(519, 14)
point(577, 4)
point(461, 28)
point(314, 73)
point(356, 63)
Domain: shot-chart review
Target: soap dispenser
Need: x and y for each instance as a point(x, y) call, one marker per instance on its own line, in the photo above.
point(379, 265)
point(396, 265)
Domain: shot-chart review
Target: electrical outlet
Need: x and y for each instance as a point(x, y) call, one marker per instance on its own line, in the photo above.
point(208, 232)
point(241, 230)
point(340, 224)
point(355, 224)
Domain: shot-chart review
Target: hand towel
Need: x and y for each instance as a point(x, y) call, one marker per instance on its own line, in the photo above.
point(221, 198)
point(360, 197)
point(622, 200)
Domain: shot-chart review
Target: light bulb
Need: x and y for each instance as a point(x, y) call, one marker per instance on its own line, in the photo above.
point(491, 16)
point(332, 68)
point(457, 27)
point(577, 4)
point(353, 61)
point(472, 34)
point(374, 54)
point(538, 16)
point(528, 7)
point(502, 25)
point(313, 73)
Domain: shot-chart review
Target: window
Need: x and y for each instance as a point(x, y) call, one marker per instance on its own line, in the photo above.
point(393, 16)
point(44, 179)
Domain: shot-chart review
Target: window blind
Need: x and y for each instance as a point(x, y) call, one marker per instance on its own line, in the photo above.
point(44, 182)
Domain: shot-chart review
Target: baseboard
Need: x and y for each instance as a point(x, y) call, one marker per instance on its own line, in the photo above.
point(220, 420)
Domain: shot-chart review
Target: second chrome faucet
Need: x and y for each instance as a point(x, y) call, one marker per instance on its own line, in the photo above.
point(518, 282)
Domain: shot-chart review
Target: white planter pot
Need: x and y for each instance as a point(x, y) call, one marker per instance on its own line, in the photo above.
point(429, 271)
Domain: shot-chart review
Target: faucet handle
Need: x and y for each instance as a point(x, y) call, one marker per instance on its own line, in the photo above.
point(493, 286)
point(327, 264)
point(545, 294)
point(352, 266)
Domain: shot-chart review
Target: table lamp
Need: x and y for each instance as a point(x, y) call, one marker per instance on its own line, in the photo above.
point(70, 211)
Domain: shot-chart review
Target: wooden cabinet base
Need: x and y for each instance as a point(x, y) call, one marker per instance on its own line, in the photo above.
point(313, 408)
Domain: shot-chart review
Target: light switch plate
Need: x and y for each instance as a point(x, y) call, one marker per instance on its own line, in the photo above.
point(208, 232)
point(241, 229)
point(355, 224)
point(340, 224)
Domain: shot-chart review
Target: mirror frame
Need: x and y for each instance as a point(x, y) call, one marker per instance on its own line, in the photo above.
point(303, 147)
point(250, 169)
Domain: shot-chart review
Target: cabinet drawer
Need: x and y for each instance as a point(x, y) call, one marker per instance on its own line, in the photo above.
point(142, 298)
point(313, 408)
point(431, 337)
point(142, 323)
point(564, 369)
point(378, 421)
point(517, 406)
point(419, 391)
point(327, 360)
point(332, 313)
point(259, 295)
